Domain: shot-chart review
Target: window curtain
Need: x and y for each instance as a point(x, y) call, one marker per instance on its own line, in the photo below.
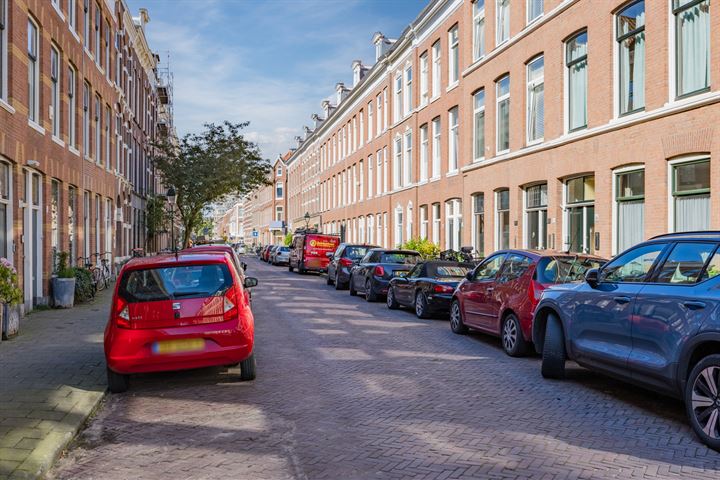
point(578, 95)
point(632, 53)
point(479, 34)
point(480, 134)
point(537, 112)
point(693, 53)
point(692, 212)
point(631, 224)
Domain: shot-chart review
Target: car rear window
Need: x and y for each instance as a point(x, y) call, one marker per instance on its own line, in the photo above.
point(173, 283)
point(565, 269)
point(448, 271)
point(401, 258)
point(356, 253)
point(284, 249)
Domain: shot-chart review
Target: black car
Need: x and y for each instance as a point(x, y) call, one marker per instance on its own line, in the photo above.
point(374, 272)
point(428, 287)
point(342, 260)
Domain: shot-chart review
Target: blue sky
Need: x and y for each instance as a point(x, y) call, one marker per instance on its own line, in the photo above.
point(270, 62)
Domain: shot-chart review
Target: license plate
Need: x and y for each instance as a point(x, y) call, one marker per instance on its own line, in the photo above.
point(179, 346)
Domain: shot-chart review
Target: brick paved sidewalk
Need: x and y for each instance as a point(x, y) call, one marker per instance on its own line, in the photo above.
point(52, 376)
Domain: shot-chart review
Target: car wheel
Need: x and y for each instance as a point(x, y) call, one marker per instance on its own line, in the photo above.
point(456, 321)
point(370, 296)
point(421, 306)
point(512, 338)
point(301, 268)
point(248, 368)
point(353, 292)
point(702, 400)
point(117, 382)
point(390, 300)
point(553, 355)
point(290, 267)
point(338, 284)
point(329, 280)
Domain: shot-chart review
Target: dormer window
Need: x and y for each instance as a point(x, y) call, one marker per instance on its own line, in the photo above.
point(279, 171)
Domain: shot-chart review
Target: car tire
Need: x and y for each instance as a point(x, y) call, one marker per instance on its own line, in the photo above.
point(338, 284)
point(456, 322)
point(290, 267)
point(702, 407)
point(390, 300)
point(421, 306)
point(353, 292)
point(329, 280)
point(370, 296)
point(553, 355)
point(248, 368)
point(511, 336)
point(117, 382)
point(301, 268)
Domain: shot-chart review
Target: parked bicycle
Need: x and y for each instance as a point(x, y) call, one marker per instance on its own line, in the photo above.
point(465, 255)
point(101, 272)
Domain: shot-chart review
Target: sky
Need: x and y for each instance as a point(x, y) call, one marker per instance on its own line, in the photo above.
point(269, 62)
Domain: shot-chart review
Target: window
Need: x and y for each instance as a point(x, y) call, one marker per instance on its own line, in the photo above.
point(453, 140)
point(424, 92)
point(691, 196)
point(514, 267)
point(398, 107)
point(502, 88)
point(3, 49)
point(630, 30)
point(279, 190)
point(453, 224)
point(398, 225)
point(633, 265)
point(692, 46)
point(478, 29)
point(86, 226)
point(536, 100)
point(361, 181)
point(479, 223)
point(86, 24)
point(576, 63)
point(385, 109)
point(72, 14)
point(409, 221)
point(370, 230)
point(436, 223)
point(55, 91)
point(503, 21)
point(489, 269)
point(97, 34)
point(279, 171)
point(453, 59)
point(423, 222)
point(72, 135)
point(379, 172)
point(397, 164)
point(86, 120)
point(370, 121)
point(536, 217)
point(6, 223)
point(72, 216)
point(54, 222)
point(534, 9)
point(361, 135)
point(108, 121)
point(424, 144)
point(502, 219)
point(686, 263)
point(98, 130)
point(436, 148)
point(407, 159)
point(479, 125)
point(407, 99)
point(33, 73)
point(630, 200)
point(436, 69)
point(97, 225)
point(279, 213)
point(107, 49)
point(580, 214)
point(386, 159)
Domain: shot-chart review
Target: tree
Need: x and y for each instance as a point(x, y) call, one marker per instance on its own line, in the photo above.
point(205, 227)
point(208, 166)
point(156, 217)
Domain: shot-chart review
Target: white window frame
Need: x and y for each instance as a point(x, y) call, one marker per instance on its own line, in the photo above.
point(398, 109)
point(424, 152)
point(370, 121)
point(407, 92)
point(496, 212)
point(409, 221)
point(436, 69)
point(424, 88)
point(4, 24)
point(531, 84)
point(72, 15)
point(478, 17)
point(398, 224)
point(56, 113)
point(615, 226)
point(370, 179)
point(436, 147)
point(424, 222)
point(529, 19)
point(566, 80)
point(361, 180)
point(527, 211)
point(34, 72)
point(9, 204)
point(378, 172)
point(397, 162)
point(436, 222)
point(671, 177)
point(453, 140)
point(565, 210)
point(478, 156)
point(98, 129)
point(498, 39)
point(499, 99)
point(673, 58)
point(282, 190)
point(453, 56)
point(453, 212)
point(379, 114)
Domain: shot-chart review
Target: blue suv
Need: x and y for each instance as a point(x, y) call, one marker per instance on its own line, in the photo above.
point(650, 316)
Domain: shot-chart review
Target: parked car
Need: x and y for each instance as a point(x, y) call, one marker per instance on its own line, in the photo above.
point(221, 248)
point(308, 251)
point(427, 288)
point(500, 295)
point(372, 275)
point(280, 256)
point(649, 317)
point(342, 260)
point(271, 251)
point(176, 312)
point(266, 253)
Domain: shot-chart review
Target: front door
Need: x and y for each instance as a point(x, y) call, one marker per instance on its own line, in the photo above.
point(600, 324)
point(32, 238)
point(477, 312)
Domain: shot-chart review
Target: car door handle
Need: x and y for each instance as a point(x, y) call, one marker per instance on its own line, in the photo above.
point(622, 299)
point(694, 305)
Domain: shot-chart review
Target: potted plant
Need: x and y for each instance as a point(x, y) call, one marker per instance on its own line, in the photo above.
point(63, 285)
point(10, 296)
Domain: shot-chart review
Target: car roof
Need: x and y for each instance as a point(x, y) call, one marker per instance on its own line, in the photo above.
point(440, 263)
point(170, 259)
point(394, 250)
point(207, 247)
point(535, 254)
point(697, 235)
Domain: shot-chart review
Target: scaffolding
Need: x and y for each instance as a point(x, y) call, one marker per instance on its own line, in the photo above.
point(165, 95)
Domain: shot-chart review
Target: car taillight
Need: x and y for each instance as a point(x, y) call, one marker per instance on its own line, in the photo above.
point(122, 318)
point(535, 292)
point(443, 289)
point(345, 262)
point(229, 306)
point(379, 271)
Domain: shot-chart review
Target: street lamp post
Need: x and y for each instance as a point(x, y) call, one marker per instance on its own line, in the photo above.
point(171, 200)
point(307, 220)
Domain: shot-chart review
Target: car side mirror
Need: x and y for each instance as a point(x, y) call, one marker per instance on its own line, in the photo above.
point(592, 277)
point(250, 282)
point(469, 275)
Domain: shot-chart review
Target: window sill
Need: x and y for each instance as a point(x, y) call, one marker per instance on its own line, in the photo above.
point(36, 127)
point(452, 86)
point(502, 152)
point(435, 98)
point(434, 179)
point(56, 7)
point(453, 173)
point(74, 150)
point(73, 33)
point(479, 160)
point(89, 53)
point(534, 142)
point(6, 106)
point(58, 141)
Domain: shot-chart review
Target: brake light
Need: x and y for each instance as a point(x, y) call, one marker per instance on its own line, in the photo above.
point(229, 304)
point(379, 271)
point(535, 292)
point(443, 289)
point(122, 318)
point(345, 262)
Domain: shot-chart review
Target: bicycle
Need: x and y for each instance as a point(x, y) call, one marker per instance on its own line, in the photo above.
point(87, 290)
point(101, 274)
point(465, 255)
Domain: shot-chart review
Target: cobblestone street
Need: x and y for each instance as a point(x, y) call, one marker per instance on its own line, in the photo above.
point(351, 390)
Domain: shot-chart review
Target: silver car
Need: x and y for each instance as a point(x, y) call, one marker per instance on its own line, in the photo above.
point(281, 256)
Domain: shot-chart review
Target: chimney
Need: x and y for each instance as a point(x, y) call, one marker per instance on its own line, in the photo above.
point(327, 108)
point(359, 71)
point(317, 121)
point(144, 16)
point(342, 92)
point(298, 141)
point(382, 44)
point(308, 132)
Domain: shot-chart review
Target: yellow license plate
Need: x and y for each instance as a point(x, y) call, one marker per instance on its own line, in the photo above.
point(179, 346)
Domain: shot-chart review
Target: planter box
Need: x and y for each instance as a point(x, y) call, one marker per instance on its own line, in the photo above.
point(63, 292)
point(11, 315)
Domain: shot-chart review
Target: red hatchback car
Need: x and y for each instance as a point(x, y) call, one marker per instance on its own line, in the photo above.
point(176, 312)
point(499, 296)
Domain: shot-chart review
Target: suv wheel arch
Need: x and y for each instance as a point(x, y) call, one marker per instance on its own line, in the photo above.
point(697, 348)
point(539, 325)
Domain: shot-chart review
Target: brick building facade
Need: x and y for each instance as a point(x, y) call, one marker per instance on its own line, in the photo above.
point(78, 105)
point(581, 125)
